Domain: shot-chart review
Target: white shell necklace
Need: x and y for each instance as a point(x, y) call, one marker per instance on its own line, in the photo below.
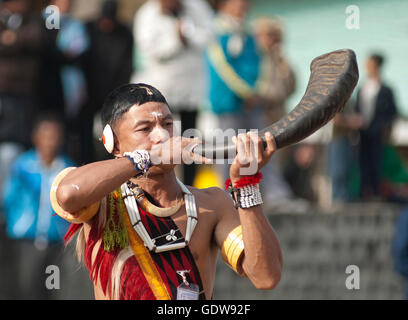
point(129, 198)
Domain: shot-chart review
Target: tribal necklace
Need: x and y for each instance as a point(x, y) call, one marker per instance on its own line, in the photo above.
point(148, 206)
point(130, 198)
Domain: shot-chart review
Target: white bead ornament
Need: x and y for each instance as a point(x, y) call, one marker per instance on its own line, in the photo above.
point(247, 196)
point(140, 159)
point(134, 216)
point(250, 196)
point(107, 138)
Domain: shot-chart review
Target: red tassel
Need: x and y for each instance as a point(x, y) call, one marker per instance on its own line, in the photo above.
point(102, 265)
point(105, 269)
point(133, 284)
point(71, 232)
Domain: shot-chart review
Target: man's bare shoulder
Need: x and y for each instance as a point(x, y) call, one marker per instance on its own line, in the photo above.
point(212, 197)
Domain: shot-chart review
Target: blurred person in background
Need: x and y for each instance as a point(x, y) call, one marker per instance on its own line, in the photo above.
point(375, 103)
point(171, 36)
point(19, 49)
point(65, 50)
point(49, 86)
point(233, 64)
point(277, 80)
point(342, 153)
point(275, 84)
point(36, 234)
point(298, 171)
point(109, 61)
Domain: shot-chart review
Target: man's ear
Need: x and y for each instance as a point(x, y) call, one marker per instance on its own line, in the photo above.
point(116, 147)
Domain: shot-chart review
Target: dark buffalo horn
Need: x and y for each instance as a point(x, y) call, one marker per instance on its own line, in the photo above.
point(332, 80)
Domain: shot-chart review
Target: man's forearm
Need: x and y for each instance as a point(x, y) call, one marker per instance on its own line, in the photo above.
point(263, 257)
point(90, 183)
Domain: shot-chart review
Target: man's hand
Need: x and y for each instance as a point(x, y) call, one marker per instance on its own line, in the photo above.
point(251, 155)
point(177, 150)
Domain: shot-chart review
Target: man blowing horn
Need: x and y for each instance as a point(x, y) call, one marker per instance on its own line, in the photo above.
point(145, 235)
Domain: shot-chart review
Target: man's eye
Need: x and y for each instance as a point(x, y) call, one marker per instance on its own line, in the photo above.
point(145, 129)
point(169, 123)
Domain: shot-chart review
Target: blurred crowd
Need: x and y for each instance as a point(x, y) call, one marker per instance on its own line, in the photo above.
point(56, 70)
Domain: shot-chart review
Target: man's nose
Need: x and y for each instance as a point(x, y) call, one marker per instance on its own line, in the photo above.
point(159, 135)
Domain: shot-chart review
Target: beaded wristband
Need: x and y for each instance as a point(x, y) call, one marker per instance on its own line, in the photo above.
point(245, 192)
point(141, 161)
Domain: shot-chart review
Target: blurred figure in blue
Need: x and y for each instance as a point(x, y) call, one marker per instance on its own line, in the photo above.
point(171, 36)
point(37, 235)
point(20, 34)
point(233, 63)
point(375, 103)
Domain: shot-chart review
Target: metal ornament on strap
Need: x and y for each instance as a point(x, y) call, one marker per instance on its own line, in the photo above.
point(134, 216)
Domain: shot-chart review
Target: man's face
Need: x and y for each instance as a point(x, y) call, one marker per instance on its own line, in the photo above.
point(268, 40)
point(372, 68)
point(63, 5)
point(170, 5)
point(143, 127)
point(235, 8)
point(47, 139)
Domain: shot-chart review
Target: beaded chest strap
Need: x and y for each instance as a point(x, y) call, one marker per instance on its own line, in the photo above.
point(129, 197)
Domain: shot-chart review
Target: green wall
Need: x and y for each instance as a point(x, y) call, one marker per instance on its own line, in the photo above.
point(314, 27)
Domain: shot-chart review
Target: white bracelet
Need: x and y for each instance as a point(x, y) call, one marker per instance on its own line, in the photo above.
point(141, 161)
point(249, 196)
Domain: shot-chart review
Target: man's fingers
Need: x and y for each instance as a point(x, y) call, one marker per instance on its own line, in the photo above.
point(270, 143)
point(257, 149)
point(189, 142)
point(247, 140)
point(241, 152)
point(199, 159)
